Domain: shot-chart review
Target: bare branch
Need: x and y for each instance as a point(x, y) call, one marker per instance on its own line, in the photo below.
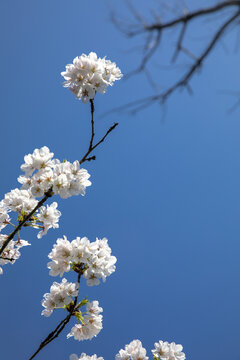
point(195, 14)
point(179, 46)
point(198, 61)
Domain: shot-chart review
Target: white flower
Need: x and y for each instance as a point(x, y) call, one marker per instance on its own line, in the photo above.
point(77, 332)
point(88, 330)
point(101, 264)
point(83, 356)
point(166, 351)
point(93, 308)
point(61, 250)
point(49, 216)
point(96, 255)
point(39, 160)
point(60, 295)
point(69, 179)
point(20, 243)
point(19, 200)
point(91, 325)
point(81, 250)
point(89, 74)
point(11, 252)
point(133, 351)
point(42, 173)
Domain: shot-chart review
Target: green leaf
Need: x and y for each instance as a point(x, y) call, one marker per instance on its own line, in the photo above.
point(82, 303)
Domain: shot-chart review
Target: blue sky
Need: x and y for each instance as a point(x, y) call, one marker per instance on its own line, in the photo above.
point(165, 189)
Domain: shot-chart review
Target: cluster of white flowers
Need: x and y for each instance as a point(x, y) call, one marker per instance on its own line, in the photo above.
point(19, 200)
point(95, 256)
point(83, 356)
point(42, 172)
point(91, 323)
point(135, 351)
point(11, 252)
point(93, 261)
point(132, 351)
point(89, 74)
point(165, 351)
point(60, 295)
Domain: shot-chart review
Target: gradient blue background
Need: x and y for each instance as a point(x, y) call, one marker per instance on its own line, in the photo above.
point(165, 187)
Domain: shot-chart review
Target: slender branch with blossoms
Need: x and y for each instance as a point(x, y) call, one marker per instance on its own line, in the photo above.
point(45, 176)
point(93, 261)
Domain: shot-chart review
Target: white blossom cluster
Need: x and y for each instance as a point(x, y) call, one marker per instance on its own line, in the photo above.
point(165, 351)
point(89, 74)
point(95, 256)
point(42, 172)
point(90, 325)
point(132, 351)
point(11, 252)
point(83, 356)
point(135, 351)
point(60, 295)
point(22, 202)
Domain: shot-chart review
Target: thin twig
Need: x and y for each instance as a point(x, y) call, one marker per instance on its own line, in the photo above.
point(92, 123)
point(6, 258)
point(91, 146)
point(179, 43)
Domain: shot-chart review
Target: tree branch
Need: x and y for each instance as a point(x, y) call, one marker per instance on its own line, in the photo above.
point(135, 106)
point(195, 14)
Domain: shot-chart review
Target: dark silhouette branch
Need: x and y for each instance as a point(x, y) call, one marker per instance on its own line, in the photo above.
point(158, 28)
point(186, 18)
point(142, 27)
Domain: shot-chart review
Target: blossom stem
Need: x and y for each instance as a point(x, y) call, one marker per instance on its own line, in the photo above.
point(92, 123)
point(91, 146)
